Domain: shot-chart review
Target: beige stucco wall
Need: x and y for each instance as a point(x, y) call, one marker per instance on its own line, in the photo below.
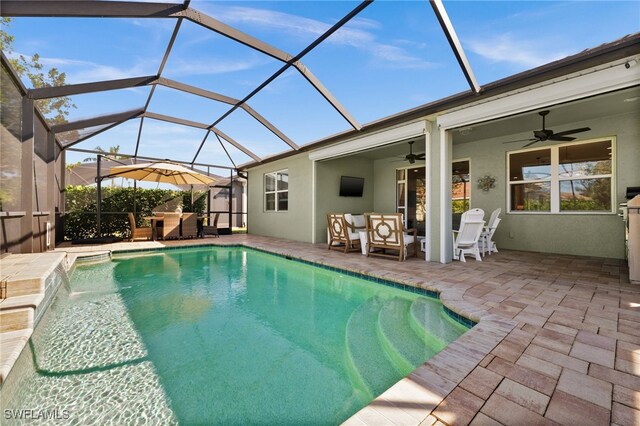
point(328, 198)
point(581, 234)
point(296, 223)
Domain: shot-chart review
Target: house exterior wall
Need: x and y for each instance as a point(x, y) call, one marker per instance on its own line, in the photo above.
point(328, 199)
point(599, 235)
point(294, 224)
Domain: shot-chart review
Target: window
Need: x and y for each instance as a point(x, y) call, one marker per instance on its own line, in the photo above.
point(561, 179)
point(276, 191)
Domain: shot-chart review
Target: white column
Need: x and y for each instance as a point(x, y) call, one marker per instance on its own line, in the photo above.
point(439, 195)
point(446, 242)
point(313, 201)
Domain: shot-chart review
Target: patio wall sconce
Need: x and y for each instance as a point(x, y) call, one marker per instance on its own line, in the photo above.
point(486, 183)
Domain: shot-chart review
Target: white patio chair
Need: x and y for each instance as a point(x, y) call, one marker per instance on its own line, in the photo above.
point(494, 215)
point(472, 215)
point(466, 240)
point(487, 245)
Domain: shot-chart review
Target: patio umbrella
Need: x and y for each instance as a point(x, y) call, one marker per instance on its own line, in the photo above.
point(162, 171)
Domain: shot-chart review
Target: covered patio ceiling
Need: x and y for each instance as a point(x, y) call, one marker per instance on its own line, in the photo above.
point(233, 111)
point(520, 126)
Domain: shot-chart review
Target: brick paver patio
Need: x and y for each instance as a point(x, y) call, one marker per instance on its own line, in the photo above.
point(558, 338)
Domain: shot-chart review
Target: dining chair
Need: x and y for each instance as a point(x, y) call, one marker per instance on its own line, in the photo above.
point(136, 231)
point(189, 225)
point(170, 226)
point(212, 229)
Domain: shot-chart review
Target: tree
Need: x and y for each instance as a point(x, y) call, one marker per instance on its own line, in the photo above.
point(111, 154)
point(56, 109)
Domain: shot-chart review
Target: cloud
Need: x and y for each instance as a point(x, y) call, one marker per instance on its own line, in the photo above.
point(357, 33)
point(506, 48)
point(214, 66)
point(81, 71)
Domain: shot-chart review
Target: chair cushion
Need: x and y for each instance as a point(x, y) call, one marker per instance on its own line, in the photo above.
point(358, 220)
point(408, 239)
point(354, 236)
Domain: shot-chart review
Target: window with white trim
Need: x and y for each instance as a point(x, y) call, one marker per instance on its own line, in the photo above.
point(276, 191)
point(567, 178)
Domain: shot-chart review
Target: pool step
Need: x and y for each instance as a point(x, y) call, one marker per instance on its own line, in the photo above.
point(365, 352)
point(406, 347)
point(426, 319)
point(28, 282)
point(12, 343)
point(17, 313)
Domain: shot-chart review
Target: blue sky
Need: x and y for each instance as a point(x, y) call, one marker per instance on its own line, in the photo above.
point(393, 56)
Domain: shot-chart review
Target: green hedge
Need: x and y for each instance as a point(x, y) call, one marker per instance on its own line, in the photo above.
point(80, 217)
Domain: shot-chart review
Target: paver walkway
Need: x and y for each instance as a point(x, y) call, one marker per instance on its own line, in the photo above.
point(558, 339)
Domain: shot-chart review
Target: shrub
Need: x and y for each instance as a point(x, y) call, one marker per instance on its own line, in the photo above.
point(80, 201)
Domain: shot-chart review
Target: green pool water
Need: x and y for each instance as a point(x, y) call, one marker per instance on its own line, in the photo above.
point(222, 335)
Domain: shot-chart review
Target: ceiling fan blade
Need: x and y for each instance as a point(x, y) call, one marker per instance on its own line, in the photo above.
point(521, 140)
point(532, 142)
point(561, 138)
point(570, 132)
point(420, 156)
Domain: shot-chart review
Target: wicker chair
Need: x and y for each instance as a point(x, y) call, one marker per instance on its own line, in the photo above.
point(171, 226)
point(386, 232)
point(189, 225)
point(138, 232)
point(212, 229)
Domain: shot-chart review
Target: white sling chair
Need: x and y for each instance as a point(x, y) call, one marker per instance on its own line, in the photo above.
point(466, 240)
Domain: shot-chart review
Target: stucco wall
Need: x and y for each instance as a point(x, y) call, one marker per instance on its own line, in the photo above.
point(296, 223)
point(581, 234)
point(328, 199)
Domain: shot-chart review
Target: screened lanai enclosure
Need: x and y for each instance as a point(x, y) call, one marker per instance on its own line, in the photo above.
point(62, 198)
point(217, 87)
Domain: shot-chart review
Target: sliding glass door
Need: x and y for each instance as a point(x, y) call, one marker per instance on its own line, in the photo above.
point(411, 197)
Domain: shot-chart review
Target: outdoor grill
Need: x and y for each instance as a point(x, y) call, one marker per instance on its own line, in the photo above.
point(632, 191)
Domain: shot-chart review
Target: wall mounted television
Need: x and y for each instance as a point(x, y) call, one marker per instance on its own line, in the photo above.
point(351, 186)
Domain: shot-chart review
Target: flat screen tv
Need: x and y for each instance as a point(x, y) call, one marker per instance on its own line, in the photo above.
point(351, 186)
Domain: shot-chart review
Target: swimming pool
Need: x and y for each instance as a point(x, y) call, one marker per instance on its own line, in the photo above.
point(225, 335)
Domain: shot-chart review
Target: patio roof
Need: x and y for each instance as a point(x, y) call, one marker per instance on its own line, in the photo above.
point(235, 149)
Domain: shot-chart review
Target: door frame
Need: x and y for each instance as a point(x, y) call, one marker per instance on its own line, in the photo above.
point(406, 190)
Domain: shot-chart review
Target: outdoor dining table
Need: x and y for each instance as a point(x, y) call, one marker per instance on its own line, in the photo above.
point(159, 219)
point(154, 225)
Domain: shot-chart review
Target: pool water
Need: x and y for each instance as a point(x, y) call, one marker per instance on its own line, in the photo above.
point(222, 335)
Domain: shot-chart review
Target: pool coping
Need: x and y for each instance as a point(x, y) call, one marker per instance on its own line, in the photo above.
point(412, 399)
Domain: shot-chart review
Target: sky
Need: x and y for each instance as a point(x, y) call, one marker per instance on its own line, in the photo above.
point(392, 57)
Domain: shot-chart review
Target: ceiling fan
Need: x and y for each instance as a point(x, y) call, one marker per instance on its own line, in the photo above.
point(411, 157)
point(548, 134)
